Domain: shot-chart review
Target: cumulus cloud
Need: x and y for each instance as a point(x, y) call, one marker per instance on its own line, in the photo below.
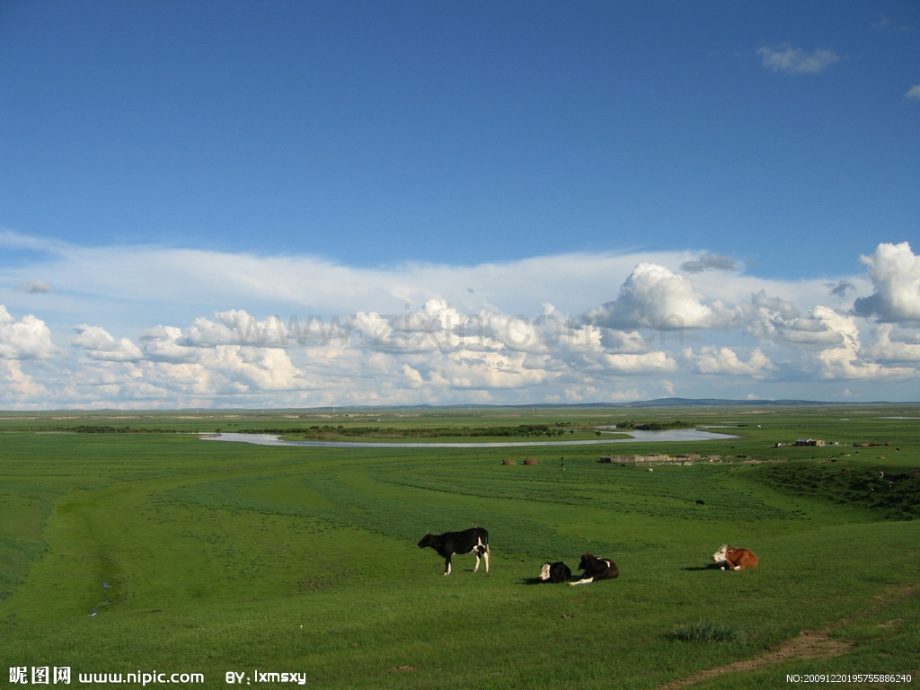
point(15, 384)
point(914, 93)
point(849, 361)
point(895, 273)
point(788, 60)
point(26, 338)
point(713, 360)
point(776, 320)
point(709, 262)
point(651, 363)
point(654, 297)
point(820, 328)
point(168, 344)
point(442, 334)
point(894, 346)
point(99, 344)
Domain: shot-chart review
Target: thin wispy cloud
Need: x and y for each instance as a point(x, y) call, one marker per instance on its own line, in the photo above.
point(35, 287)
point(787, 59)
point(709, 262)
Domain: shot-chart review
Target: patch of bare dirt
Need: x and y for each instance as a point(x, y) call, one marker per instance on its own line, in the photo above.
point(401, 669)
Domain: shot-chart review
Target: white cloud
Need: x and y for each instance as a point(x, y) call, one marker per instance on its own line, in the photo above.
point(99, 344)
point(27, 338)
point(889, 345)
point(166, 344)
point(895, 273)
point(765, 316)
point(654, 297)
point(817, 329)
point(846, 359)
point(914, 93)
point(784, 58)
point(16, 385)
point(650, 363)
point(443, 334)
point(725, 361)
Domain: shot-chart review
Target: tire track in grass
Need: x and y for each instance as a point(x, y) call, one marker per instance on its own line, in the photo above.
point(810, 644)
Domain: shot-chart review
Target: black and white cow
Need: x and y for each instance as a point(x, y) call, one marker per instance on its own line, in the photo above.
point(555, 572)
point(596, 569)
point(473, 540)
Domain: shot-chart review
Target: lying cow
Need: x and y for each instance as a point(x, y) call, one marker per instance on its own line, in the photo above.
point(735, 558)
point(555, 572)
point(596, 569)
point(473, 540)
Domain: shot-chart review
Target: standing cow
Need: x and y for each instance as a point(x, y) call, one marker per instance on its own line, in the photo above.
point(735, 558)
point(596, 569)
point(473, 540)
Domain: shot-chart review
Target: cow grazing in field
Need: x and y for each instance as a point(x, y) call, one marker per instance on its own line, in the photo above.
point(735, 558)
point(596, 569)
point(555, 572)
point(700, 502)
point(473, 540)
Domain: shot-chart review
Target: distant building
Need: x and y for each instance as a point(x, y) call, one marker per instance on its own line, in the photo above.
point(809, 442)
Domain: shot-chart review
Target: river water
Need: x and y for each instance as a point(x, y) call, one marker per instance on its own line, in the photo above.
point(635, 437)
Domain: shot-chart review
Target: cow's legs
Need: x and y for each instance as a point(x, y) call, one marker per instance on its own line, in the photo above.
point(447, 566)
point(482, 551)
point(585, 581)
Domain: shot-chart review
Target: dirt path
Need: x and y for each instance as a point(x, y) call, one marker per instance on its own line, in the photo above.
point(810, 644)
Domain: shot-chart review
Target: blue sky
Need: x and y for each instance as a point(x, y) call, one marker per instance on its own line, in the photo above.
point(561, 202)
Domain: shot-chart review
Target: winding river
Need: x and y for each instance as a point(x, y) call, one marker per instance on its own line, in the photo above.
point(635, 437)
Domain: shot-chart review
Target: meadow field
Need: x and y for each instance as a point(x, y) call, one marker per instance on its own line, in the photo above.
point(130, 544)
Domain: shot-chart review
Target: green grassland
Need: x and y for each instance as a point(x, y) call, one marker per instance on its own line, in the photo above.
point(129, 544)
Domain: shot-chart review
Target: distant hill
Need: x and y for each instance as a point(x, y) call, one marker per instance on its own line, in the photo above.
point(719, 402)
point(698, 402)
point(673, 402)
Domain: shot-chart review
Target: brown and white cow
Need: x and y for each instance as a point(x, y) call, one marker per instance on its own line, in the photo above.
point(735, 558)
point(596, 569)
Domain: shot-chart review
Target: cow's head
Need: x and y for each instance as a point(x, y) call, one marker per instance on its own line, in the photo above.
point(544, 571)
point(586, 560)
point(426, 541)
point(719, 556)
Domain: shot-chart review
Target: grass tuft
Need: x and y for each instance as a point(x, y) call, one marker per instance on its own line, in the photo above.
point(705, 630)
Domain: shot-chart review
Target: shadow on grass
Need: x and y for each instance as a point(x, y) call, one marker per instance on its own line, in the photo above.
point(538, 581)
